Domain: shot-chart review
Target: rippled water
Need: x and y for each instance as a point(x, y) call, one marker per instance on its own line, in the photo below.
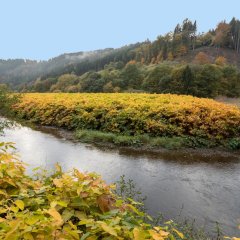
point(197, 186)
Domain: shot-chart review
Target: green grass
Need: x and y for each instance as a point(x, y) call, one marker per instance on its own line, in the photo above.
point(138, 141)
point(90, 136)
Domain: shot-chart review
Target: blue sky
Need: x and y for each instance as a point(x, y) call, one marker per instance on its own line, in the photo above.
point(41, 29)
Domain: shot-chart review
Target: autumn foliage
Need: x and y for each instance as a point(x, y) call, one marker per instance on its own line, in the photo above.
point(67, 207)
point(133, 114)
point(202, 58)
point(221, 61)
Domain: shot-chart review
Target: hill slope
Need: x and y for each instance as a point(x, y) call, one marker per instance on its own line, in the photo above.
point(232, 57)
point(180, 45)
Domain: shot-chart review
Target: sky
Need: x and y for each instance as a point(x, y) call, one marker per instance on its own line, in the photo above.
point(42, 29)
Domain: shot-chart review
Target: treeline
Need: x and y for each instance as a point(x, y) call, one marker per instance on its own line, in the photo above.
point(154, 66)
point(90, 69)
point(184, 38)
point(177, 43)
point(202, 79)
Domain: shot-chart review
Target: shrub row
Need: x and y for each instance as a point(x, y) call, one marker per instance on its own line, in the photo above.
point(133, 114)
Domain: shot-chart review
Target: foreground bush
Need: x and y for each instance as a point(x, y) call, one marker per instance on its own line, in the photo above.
point(133, 114)
point(67, 206)
point(74, 205)
point(7, 100)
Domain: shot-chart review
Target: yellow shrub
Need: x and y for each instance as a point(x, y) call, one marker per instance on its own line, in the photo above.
point(131, 114)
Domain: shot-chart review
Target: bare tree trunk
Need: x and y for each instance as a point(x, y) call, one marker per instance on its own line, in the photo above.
point(238, 43)
point(194, 42)
point(234, 42)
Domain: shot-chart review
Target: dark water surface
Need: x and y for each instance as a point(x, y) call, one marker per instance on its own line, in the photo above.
point(201, 187)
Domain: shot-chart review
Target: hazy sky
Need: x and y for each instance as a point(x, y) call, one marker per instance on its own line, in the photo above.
point(41, 29)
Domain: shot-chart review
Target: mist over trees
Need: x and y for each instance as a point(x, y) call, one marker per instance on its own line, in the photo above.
point(181, 61)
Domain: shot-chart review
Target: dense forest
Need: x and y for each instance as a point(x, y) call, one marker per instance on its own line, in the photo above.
point(182, 61)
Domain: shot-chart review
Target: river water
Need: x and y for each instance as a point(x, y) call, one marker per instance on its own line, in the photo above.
point(202, 187)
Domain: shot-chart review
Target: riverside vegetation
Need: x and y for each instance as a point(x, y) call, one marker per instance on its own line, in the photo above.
point(74, 205)
point(136, 119)
point(68, 206)
point(81, 206)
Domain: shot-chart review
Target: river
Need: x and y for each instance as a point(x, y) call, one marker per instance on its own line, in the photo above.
point(202, 187)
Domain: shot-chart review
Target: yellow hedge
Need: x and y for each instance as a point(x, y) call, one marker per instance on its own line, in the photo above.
point(132, 114)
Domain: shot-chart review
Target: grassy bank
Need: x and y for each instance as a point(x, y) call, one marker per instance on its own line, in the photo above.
point(91, 136)
point(164, 120)
point(147, 142)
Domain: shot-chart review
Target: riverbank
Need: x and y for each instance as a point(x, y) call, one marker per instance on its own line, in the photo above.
point(184, 153)
point(148, 121)
point(146, 142)
point(141, 143)
point(144, 121)
point(69, 206)
point(76, 204)
point(138, 144)
point(166, 177)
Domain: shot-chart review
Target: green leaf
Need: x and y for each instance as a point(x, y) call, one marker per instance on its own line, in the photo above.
point(3, 192)
point(178, 233)
point(62, 203)
point(32, 220)
point(19, 204)
point(108, 229)
point(14, 209)
point(84, 236)
point(28, 236)
point(139, 234)
point(67, 214)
